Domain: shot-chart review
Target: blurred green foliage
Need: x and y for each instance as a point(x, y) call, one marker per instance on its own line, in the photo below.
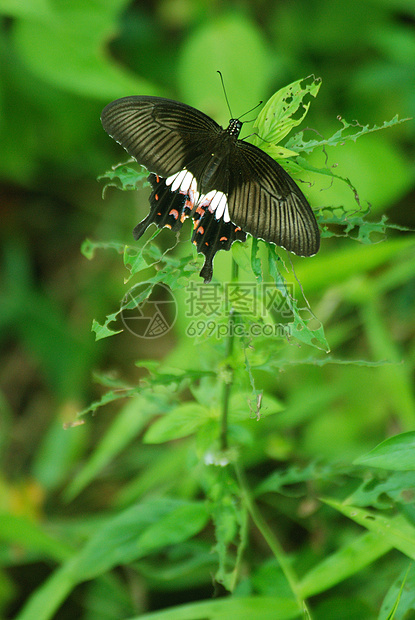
point(138, 485)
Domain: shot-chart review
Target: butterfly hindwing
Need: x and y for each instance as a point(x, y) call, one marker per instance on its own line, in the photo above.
point(167, 209)
point(212, 234)
point(170, 208)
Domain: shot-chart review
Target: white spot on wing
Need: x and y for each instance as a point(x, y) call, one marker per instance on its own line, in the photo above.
point(217, 203)
point(189, 183)
point(176, 180)
point(184, 181)
point(222, 208)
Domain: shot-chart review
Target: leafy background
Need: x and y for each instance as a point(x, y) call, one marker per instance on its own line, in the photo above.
point(119, 517)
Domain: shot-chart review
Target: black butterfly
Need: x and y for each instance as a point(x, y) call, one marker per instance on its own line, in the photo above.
point(201, 170)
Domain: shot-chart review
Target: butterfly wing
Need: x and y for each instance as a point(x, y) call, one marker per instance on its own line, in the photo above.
point(265, 201)
point(163, 135)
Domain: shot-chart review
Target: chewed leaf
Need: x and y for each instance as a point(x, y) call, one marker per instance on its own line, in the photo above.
point(88, 247)
point(349, 131)
point(276, 151)
point(124, 177)
point(304, 326)
point(285, 110)
point(256, 265)
point(103, 331)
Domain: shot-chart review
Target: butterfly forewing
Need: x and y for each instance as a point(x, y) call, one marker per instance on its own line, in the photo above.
point(161, 134)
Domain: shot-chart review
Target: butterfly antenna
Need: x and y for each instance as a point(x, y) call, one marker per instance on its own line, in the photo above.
point(251, 110)
point(224, 92)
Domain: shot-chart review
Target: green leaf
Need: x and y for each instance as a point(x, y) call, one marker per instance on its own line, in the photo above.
point(135, 259)
point(64, 50)
point(397, 453)
point(108, 397)
point(248, 608)
point(181, 421)
point(240, 255)
point(284, 111)
point(138, 531)
point(397, 531)
point(299, 328)
point(256, 264)
point(347, 561)
point(280, 481)
point(34, 8)
point(125, 177)
point(89, 247)
point(103, 331)
point(276, 151)
point(395, 488)
point(125, 427)
point(179, 524)
point(347, 132)
point(336, 268)
point(134, 533)
point(399, 602)
point(26, 533)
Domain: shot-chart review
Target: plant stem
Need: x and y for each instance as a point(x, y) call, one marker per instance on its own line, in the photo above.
point(228, 383)
point(271, 540)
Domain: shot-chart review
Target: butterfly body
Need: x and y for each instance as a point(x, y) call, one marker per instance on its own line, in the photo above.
point(201, 170)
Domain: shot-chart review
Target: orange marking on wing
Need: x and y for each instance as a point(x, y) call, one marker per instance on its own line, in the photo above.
point(174, 213)
point(156, 196)
point(223, 239)
point(201, 230)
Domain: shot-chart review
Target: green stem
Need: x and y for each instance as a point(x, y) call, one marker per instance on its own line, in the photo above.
point(271, 540)
point(227, 388)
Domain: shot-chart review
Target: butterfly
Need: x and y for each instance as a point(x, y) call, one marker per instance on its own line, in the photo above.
point(200, 170)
